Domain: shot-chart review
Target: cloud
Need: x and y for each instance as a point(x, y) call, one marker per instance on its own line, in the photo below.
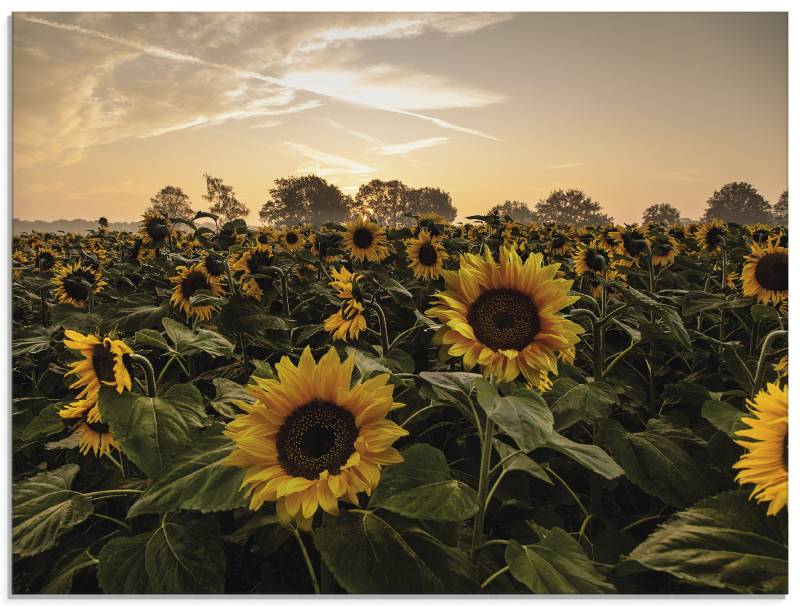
point(563, 166)
point(326, 164)
point(405, 148)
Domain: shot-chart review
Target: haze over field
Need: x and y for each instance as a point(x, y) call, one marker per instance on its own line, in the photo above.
point(631, 108)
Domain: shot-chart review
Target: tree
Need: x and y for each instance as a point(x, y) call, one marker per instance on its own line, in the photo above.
point(172, 202)
point(738, 202)
point(518, 211)
point(661, 213)
point(430, 199)
point(385, 201)
point(571, 207)
point(223, 200)
point(780, 211)
point(306, 199)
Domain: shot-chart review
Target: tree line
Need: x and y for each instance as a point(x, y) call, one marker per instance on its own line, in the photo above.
point(311, 199)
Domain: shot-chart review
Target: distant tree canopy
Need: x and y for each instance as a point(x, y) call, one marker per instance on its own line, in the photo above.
point(661, 213)
point(306, 199)
point(738, 202)
point(518, 211)
point(571, 206)
point(172, 202)
point(388, 202)
point(781, 209)
point(223, 200)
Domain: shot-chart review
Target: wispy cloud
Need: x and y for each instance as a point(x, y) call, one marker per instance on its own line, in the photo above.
point(326, 164)
point(352, 132)
point(563, 166)
point(405, 148)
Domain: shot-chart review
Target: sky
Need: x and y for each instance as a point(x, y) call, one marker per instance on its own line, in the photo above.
point(632, 108)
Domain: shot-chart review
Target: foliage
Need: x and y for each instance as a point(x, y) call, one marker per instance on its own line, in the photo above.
point(223, 200)
point(738, 202)
point(171, 202)
point(305, 199)
point(570, 206)
point(661, 213)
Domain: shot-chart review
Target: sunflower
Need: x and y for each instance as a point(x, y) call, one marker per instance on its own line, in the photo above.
point(256, 260)
point(104, 361)
point(426, 255)
point(311, 437)
point(365, 240)
point(760, 232)
point(348, 321)
point(591, 258)
point(711, 235)
point(154, 229)
point(663, 250)
point(631, 243)
point(766, 462)
point(45, 258)
point(765, 274)
point(433, 222)
point(560, 243)
point(213, 265)
point(504, 317)
point(76, 282)
point(188, 281)
point(94, 436)
point(292, 239)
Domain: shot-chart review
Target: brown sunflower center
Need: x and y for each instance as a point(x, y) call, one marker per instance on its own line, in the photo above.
point(157, 229)
point(316, 437)
point(596, 259)
point(291, 238)
point(714, 237)
point(214, 266)
point(427, 254)
point(504, 318)
point(558, 241)
point(98, 427)
point(259, 263)
point(193, 282)
point(78, 284)
point(263, 238)
point(634, 245)
point(103, 362)
point(363, 237)
point(661, 249)
point(772, 271)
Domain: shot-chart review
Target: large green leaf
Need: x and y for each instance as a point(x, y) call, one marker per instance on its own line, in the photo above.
point(726, 542)
point(61, 581)
point(153, 432)
point(520, 462)
point(524, 415)
point(196, 482)
point(228, 392)
point(556, 564)
point(44, 508)
point(587, 403)
point(187, 341)
point(590, 456)
point(664, 460)
point(29, 341)
point(122, 565)
point(46, 423)
point(244, 315)
point(723, 416)
point(366, 554)
point(670, 318)
point(423, 488)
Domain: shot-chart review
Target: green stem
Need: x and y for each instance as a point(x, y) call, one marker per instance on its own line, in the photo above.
point(114, 492)
point(761, 369)
point(110, 519)
point(307, 559)
point(327, 581)
point(164, 370)
point(150, 374)
point(569, 490)
point(483, 484)
point(382, 325)
point(494, 488)
point(500, 572)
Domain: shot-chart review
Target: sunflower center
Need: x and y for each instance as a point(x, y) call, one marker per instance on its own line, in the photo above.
point(772, 272)
point(291, 238)
point(259, 263)
point(98, 427)
point(427, 255)
point(157, 229)
point(596, 259)
point(263, 238)
point(316, 437)
point(214, 266)
point(504, 319)
point(77, 285)
point(558, 241)
point(633, 246)
point(362, 237)
point(192, 283)
point(661, 249)
point(714, 237)
point(46, 261)
point(103, 363)
point(761, 235)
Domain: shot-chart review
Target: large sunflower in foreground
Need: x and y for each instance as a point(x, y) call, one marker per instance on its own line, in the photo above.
point(766, 462)
point(312, 438)
point(765, 274)
point(76, 282)
point(505, 317)
point(426, 255)
point(365, 240)
point(104, 362)
point(188, 281)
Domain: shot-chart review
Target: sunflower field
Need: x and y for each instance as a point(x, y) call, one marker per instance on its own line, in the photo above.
point(485, 407)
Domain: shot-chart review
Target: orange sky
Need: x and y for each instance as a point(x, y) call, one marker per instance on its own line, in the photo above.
point(632, 108)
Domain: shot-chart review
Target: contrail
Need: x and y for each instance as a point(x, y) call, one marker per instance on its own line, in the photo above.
point(165, 53)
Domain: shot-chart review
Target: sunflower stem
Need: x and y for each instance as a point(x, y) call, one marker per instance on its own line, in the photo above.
point(284, 287)
point(483, 485)
point(114, 492)
point(491, 578)
point(382, 325)
point(327, 582)
point(149, 373)
point(307, 559)
point(761, 369)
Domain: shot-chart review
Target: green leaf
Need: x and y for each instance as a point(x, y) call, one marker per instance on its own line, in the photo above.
point(149, 337)
point(588, 403)
point(228, 392)
point(140, 314)
point(764, 313)
point(122, 565)
point(556, 564)
point(379, 559)
point(524, 415)
point(69, 316)
point(725, 542)
point(29, 341)
point(669, 316)
point(153, 431)
point(455, 382)
point(520, 462)
point(723, 416)
point(664, 460)
point(423, 488)
point(590, 456)
point(44, 508)
point(62, 581)
point(197, 482)
point(206, 297)
point(188, 341)
point(243, 315)
point(46, 423)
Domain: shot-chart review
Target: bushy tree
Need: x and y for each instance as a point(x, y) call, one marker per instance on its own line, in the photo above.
point(518, 211)
point(172, 202)
point(305, 199)
point(385, 201)
point(661, 213)
point(223, 200)
point(780, 211)
point(738, 202)
point(571, 206)
point(431, 199)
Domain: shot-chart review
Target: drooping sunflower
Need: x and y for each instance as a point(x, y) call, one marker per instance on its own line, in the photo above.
point(45, 259)
point(188, 281)
point(348, 321)
point(104, 362)
point(154, 229)
point(76, 282)
point(760, 232)
point(766, 462)
point(631, 243)
point(257, 260)
point(663, 250)
point(765, 274)
point(710, 236)
point(312, 438)
point(591, 258)
point(426, 255)
point(560, 242)
point(505, 317)
point(292, 239)
point(365, 240)
point(93, 434)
